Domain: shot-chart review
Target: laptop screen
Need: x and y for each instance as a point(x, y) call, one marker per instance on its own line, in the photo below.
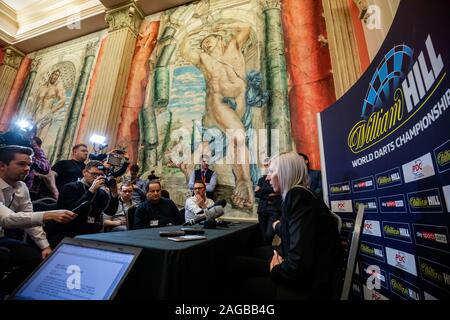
point(79, 270)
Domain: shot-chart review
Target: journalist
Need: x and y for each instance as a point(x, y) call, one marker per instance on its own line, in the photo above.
point(89, 197)
point(156, 211)
point(16, 211)
point(118, 221)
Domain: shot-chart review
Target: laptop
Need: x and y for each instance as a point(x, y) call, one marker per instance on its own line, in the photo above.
point(79, 269)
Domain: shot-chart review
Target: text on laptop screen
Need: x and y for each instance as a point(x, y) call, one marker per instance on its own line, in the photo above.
point(77, 273)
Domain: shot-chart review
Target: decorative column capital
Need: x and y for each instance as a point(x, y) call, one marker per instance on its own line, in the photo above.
point(271, 4)
point(35, 63)
point(13, 57)
point(91, 48)
point(126, 16)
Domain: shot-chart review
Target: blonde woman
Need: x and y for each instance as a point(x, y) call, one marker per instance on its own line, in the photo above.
point(310, 255)
point(307, 264)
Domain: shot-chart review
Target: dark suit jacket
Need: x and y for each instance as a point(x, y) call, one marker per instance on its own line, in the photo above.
point(310, 245)
point(73, 195)
point(162, 213)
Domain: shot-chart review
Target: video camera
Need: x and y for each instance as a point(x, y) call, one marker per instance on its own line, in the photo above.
point(110, 181)
point(20, 134)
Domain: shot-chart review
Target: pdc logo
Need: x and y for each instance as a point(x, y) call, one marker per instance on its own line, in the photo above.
point(400, 258)
point(416, 168)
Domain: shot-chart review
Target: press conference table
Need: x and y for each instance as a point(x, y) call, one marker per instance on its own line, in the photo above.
point(174, 270)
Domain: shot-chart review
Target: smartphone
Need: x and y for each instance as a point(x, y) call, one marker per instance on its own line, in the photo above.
point(175, 233)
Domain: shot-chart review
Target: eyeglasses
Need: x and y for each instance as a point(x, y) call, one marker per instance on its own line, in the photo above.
point(95, 174)
point(199, 188)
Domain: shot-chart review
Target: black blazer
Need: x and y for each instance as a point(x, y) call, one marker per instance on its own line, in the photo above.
point(75, 194)
point(156, 214)
point(310, 245)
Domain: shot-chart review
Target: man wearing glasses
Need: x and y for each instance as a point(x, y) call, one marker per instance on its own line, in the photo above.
point(89, 197)
point(197, 202)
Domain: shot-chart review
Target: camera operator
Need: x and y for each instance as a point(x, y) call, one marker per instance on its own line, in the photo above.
point(26, 137)
point(66, 171)
point(89, 198)
point(116, 158)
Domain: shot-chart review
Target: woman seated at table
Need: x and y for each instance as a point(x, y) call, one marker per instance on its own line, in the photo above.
point(308, 264)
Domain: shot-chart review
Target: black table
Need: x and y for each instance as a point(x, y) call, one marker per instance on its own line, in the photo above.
point(181, 270)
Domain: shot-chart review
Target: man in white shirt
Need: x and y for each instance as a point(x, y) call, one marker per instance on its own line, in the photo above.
point(16, 209)
point(208, 176)
point(195, 204)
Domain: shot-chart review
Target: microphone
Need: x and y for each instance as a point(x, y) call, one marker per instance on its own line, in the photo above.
point(210, 213)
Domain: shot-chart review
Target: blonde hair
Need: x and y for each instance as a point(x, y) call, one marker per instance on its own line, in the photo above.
point(291, 170)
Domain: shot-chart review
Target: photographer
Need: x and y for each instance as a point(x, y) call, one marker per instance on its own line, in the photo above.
point(89, 197)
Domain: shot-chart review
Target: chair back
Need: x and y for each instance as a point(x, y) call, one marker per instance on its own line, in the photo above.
point(182, 214)
point(44, 204)
point(130, 217)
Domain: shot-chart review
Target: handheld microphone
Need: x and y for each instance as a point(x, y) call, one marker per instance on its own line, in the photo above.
point(210, 213)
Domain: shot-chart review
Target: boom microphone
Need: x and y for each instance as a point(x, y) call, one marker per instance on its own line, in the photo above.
point(210, 213)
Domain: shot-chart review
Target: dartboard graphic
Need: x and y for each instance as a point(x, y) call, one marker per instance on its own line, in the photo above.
point(390, 72)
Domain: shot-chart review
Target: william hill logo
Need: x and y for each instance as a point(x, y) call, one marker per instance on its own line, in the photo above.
point(424, 202)
point(434, 273)
point(443, 158)
point(388, 105)
point(388, 179)
point(403, 290)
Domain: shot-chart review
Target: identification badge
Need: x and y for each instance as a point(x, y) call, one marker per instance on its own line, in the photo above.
point(154, 223)
point(90, 220)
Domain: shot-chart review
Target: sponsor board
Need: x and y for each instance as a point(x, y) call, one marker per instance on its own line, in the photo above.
point(403, 289)
point(382, 276)
point(397, 231)
point(435, 273)
point(371, 250)
point(341, 206)
point(401, 260)
point(392, 204)
point(446, 191)
point(363, 184)
point(442, 156)
point(370, 205)
point(372, 294)
point(418, 169)
point(372, 228)
point(425, 201)
point(340, 188)
point(432, 236)
point(388, 178)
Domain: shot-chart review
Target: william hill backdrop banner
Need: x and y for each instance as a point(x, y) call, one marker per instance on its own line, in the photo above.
point(387, 147)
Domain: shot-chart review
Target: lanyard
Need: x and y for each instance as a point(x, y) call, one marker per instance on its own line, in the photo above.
point(12, 200)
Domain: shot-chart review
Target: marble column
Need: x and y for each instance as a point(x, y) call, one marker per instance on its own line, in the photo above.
point(8, 71)
point(311, 83)
point(343, 48)
point(278, 107)
point(28, 84)
point(110, 87)
point(11, 104)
